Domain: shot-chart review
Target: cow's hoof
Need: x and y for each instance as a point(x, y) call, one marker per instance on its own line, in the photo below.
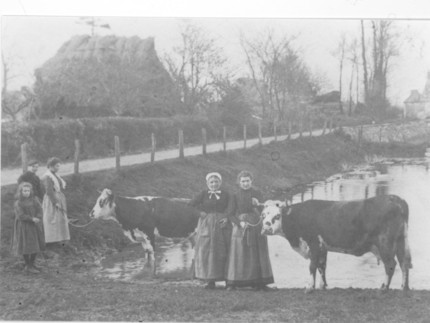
point(406, 288)
point(323, 287)
point(383, 289)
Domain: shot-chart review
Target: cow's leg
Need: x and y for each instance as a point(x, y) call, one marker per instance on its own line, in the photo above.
point(322, 265)
point(390, 265)
point(386, 248)
point(404, 259)
point(151, 253)
point(313, 265)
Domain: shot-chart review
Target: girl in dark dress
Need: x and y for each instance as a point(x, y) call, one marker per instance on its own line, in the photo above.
point(213, 231)
point(249, 263)
point(28, 239)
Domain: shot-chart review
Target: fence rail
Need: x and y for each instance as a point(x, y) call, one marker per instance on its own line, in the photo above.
point(181, 144)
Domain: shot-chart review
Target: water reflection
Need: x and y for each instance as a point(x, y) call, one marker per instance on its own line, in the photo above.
point(410, 179)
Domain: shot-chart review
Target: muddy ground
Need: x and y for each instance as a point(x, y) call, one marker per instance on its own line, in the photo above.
point(67, 289)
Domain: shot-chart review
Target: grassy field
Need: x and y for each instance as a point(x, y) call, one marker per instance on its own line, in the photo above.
point(66, 290)
point(74, 295)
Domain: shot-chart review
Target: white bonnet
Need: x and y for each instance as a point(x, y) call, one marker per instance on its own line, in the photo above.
point(213, 174)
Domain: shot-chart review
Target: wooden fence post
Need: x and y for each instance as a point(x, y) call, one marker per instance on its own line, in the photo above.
point(24, 157)
point(380, 134)
point(310, 126)
point(325, 127)
point(153, 147)
point(290, 129)
point(181, 143)
point(275, 134)
point(77, 153)
point(301, 127)
point(260, 139)
point(204, 141)
point(117, 154)
point(244, 136)
point(224, 138)
point(331, 125)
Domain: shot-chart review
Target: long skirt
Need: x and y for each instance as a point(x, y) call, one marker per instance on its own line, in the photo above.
point(211, 250)
point(27, 238)
point(249, 263)
point(55, 220)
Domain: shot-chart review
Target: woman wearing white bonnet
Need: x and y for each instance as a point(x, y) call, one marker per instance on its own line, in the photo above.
point(214, 231)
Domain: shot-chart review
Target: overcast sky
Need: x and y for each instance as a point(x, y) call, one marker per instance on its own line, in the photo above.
point(29, 40)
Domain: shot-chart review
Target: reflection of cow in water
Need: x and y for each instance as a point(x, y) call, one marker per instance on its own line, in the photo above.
point(378, 225)
point(140, 216)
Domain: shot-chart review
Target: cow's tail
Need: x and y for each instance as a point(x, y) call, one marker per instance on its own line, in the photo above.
point(408, 257)
point(404, 209)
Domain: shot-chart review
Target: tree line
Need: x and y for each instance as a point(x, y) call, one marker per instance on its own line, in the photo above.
point(274, 83)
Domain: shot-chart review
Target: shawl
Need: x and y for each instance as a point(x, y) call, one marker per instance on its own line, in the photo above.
point(55, 179)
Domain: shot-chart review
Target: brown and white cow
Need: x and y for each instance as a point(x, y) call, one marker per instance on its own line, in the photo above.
point(140, 216)
point(378, 225)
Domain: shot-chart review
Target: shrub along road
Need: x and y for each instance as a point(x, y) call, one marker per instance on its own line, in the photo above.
point(10, 176)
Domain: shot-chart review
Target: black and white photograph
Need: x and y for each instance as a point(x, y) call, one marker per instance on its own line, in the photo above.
point(231, 162)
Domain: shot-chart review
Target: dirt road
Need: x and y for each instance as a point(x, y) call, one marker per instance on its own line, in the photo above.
point(9, 176)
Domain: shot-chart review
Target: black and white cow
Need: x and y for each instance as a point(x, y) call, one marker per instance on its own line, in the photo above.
point(378, 225)
point(140, 216)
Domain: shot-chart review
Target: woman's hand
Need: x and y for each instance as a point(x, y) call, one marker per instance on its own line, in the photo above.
point(243, 224)
point(255, 201)
point(223, 222)
point(203, 214)
point(36, 220)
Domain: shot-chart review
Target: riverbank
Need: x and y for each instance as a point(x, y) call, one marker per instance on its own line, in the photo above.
point(67, 291)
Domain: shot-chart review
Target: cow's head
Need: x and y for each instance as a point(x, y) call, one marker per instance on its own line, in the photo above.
point(272, 217)
point(104, 207)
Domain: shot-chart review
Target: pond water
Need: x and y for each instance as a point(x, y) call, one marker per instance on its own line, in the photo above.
point(408, 178)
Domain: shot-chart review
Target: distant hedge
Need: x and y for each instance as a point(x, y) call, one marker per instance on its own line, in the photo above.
point(48, 138)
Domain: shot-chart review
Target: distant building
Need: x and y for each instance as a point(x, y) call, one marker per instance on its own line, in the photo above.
point(417, 105)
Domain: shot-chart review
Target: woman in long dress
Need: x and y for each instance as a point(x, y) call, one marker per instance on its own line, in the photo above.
point(249, 263)
point(55, 221)
point(213, 231)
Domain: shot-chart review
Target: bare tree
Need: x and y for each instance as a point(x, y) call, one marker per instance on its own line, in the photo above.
point(20, 102)
point(353, 58)
point(12, 102)
point(384, 47)
point(364, 62)
point(197, 67)
point(339, 52)
point(279, 74)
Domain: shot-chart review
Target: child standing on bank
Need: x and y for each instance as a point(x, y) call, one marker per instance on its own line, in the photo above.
point(28, 238)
